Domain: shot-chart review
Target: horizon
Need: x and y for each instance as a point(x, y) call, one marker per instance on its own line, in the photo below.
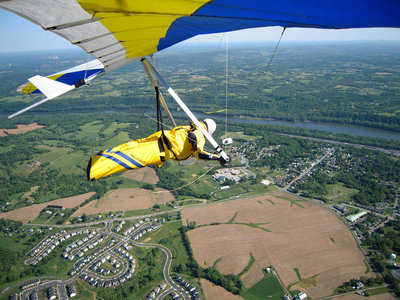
point(196, 45)
point(26, 36)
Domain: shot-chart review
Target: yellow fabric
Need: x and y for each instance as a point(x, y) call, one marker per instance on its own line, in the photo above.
point(139, 25)
point(145, 152)
point(183, 149)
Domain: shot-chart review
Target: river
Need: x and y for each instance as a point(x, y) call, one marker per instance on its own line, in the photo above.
point(331, 127)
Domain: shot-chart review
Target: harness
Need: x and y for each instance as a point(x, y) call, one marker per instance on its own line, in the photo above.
point(163, 140)
point(192, 137)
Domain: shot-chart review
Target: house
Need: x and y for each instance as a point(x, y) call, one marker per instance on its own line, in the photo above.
point(71, 290)
point(301, 296)
point(51, 293)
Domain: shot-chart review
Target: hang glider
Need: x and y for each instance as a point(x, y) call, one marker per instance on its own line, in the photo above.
point(118, 32)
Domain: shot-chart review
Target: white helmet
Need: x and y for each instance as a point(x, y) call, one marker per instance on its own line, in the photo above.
point(210, 124)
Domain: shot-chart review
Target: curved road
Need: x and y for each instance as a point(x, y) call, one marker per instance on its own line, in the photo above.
point(165, 270)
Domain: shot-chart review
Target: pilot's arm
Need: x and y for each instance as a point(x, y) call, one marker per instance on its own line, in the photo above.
point(198, 141)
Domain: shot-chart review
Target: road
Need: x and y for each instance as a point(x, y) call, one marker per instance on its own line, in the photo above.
point(166, 269)
point(352, 292)
point(396, 204)
point(330, 151)
point(83, 225)
point(394, 152)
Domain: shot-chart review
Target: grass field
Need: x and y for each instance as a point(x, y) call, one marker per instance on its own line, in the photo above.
point(267, 288)
point(114, 126)
point(194, 172)
point(339, 193)
point(54, 219)
point(244, 188)
point(170, 237)
point(90, 130)
point(116, 140)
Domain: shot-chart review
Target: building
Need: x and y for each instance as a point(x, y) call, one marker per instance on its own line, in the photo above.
point(339, 208)
point(355, 217)
point(301, 296)
point(51, 293)
point(71, 290)
point(31, 284)
point(265, 182)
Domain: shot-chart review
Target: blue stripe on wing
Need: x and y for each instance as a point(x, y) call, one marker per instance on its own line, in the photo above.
point(123, 155)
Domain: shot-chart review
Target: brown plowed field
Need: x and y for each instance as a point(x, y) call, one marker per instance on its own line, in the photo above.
point(146, 175)
point(212, 291)
point(309, 238)
point(357, 297)
point(125, 199)
point(21, 128)
point(31, 212)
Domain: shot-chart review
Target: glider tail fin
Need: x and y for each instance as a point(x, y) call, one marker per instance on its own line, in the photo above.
point(60, 83)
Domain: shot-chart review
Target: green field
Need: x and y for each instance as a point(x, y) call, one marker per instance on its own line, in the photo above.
point(121, 138)
point(53, 219)
point(267, 288)
point(170, 237)
point(90, 130)
point(339, 193)
point(378, 291)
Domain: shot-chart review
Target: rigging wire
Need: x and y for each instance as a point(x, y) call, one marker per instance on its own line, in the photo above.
point(270, 60)
point(276, 48)
point(142, 115)
point(226, 85)
point(87, 65)
point(197, 178)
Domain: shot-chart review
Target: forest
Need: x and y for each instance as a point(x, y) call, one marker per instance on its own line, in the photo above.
point(69, 140)
point(351, 83)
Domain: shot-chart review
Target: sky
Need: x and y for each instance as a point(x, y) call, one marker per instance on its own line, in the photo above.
point(18, 34)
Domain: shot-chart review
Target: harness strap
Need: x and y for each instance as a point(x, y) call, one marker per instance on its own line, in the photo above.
point(163, 138)
point(162, 150)
point(193, 140)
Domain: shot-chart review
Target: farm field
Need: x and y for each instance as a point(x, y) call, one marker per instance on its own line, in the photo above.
point(310, 248)
point(146, 175)
point(357, 297)
point(21, 128)
point(269, 287)
point(212, 291)
point(125, 199)
point(29, 213)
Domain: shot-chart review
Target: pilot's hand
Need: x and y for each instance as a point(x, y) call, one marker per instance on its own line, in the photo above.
point(224, 162)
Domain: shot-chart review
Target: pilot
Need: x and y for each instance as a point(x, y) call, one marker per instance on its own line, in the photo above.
point(179, 143)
